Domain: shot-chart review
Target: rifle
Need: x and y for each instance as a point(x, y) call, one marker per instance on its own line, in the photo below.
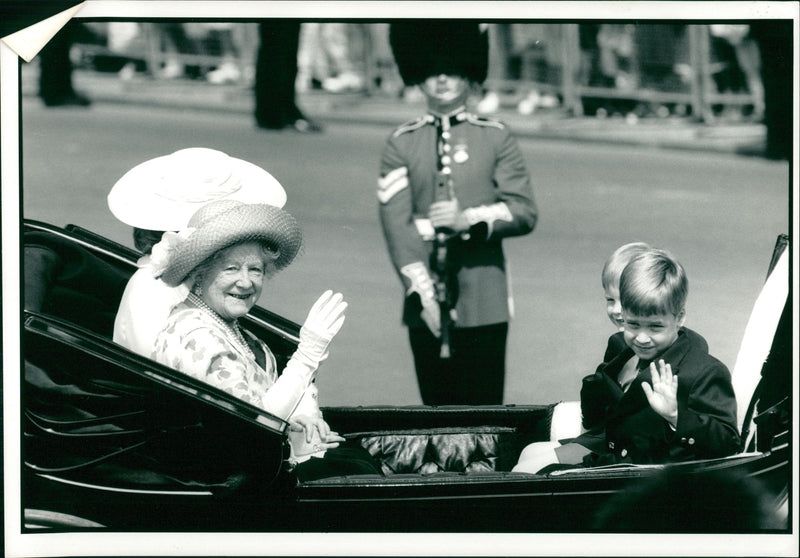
point(441, 263)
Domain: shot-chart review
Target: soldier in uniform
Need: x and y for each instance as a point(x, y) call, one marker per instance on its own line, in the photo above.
point(451, 172)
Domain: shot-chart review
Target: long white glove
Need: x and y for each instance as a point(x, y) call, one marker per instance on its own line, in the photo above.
point(324, 321)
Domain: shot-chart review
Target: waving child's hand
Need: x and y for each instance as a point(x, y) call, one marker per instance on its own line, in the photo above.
point(663, 395)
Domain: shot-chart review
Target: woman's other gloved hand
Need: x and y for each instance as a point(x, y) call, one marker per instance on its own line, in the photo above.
point(310, 437)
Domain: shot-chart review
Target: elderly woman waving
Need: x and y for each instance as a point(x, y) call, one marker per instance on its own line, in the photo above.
point(224, 256)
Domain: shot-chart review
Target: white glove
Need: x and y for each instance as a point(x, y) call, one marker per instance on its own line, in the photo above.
point(310, 437)
point(324, 321)
point(447, 214)
point(422, 284)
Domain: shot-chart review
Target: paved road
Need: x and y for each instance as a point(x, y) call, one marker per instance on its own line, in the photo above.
point(718, 213)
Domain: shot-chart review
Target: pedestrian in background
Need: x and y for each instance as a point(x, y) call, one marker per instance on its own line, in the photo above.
point(325, 58)
point(55, 70)
point(276, 73)
point(738, 53)
point(488, 197)
point(774, 40)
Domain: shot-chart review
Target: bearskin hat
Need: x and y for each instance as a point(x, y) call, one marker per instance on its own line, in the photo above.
point(424, 48)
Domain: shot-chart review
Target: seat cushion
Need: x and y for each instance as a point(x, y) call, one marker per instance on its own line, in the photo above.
point(66, 280)
point(467, 450)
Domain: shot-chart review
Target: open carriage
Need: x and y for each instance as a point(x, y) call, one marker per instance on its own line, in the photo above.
point(115, 441)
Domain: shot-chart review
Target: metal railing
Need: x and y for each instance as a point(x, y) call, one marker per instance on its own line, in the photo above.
point(699, 93)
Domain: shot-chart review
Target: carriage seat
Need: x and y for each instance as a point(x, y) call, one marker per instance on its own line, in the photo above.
point(67, 281)
point(434, 450)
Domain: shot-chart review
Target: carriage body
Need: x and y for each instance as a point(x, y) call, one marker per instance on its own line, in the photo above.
point(115, 441)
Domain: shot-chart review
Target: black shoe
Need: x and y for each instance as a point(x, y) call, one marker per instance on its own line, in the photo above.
point(73, 100)
point(305, 126)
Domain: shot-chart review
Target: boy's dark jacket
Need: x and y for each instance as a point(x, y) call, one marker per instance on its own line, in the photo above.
point(623, 428)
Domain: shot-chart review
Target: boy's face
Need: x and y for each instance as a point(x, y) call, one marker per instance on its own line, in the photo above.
point(650, 336)
point(445, 92)
point(613, 307)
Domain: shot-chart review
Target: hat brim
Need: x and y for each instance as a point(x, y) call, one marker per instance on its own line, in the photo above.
point(246, 223)
point(145, 197)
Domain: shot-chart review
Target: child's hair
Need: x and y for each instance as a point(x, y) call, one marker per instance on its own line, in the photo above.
point(145, 239)
point(653, 282)
point(617, 261)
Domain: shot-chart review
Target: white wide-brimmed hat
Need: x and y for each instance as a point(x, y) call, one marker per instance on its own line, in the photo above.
point(224, 223)
point(163, 193)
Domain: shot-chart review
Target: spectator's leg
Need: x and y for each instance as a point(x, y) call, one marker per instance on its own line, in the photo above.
point(337, 41)
point(276, 72)
point(775, 43)
point(55, 71)
point(749, 60)
point(498, 72)
point(311, 63)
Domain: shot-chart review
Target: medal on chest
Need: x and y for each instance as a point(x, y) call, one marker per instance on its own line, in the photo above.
point(460, 154)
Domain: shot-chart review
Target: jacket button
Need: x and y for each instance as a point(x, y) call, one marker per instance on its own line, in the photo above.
point(623, 453)
point(611, 445)
point(683, 440)
point(691, 441)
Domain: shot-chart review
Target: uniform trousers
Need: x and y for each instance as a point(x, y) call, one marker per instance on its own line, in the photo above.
point(473, 375)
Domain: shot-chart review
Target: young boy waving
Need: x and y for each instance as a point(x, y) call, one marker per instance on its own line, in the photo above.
point(663, 397)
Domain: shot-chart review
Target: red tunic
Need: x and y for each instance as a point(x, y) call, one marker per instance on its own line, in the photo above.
point(493, 188)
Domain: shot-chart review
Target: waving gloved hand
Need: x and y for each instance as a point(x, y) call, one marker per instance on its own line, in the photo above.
point(324, 321)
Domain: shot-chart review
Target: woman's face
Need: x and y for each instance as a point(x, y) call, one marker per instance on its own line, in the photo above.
point(233, 283)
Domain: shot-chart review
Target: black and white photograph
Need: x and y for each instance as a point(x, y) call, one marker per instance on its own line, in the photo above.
point(336, 278)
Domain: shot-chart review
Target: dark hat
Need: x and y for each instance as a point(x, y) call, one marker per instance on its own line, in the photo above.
point(424, 48)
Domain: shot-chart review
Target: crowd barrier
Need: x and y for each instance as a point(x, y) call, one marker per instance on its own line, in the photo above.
point(558, 69)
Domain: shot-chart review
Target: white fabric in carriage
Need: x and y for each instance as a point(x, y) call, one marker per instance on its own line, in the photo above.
point(759, 334)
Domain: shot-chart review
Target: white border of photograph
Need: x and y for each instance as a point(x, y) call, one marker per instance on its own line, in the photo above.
point(288, 544)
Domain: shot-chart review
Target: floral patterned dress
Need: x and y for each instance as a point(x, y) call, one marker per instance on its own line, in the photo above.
point(200, 345)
